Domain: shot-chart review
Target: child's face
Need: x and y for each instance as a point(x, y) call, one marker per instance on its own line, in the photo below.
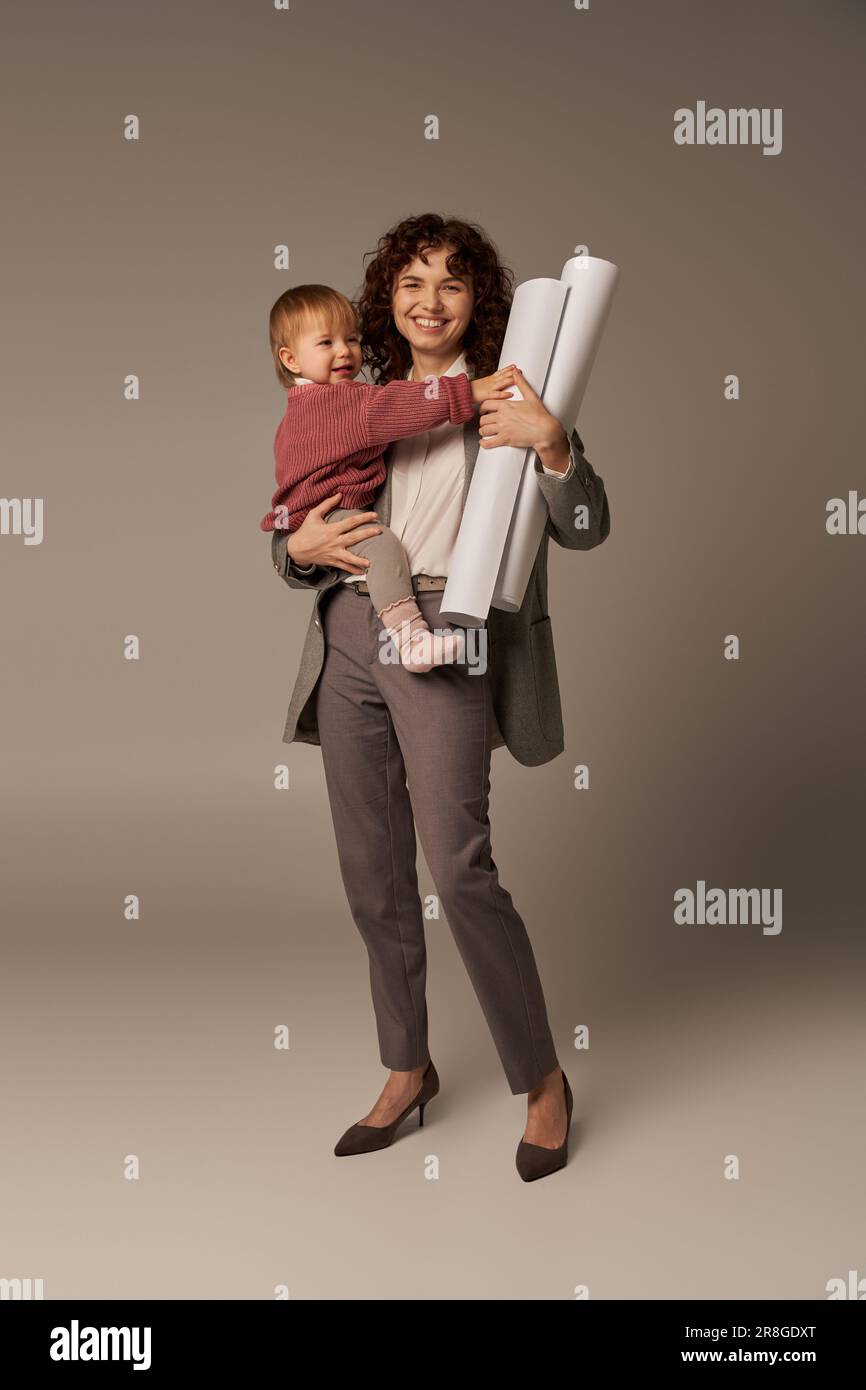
point(324, 356)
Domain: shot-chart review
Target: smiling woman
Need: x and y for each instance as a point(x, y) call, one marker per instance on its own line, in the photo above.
point(425, 285)
point(435, 303)
point(419, 304)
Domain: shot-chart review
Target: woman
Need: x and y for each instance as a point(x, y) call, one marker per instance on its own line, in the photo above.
point(435, 302)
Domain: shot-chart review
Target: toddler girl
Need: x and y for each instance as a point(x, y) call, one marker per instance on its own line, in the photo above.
point(332, 436)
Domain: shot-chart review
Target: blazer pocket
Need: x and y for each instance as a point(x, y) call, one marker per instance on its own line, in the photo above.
point(547, 697)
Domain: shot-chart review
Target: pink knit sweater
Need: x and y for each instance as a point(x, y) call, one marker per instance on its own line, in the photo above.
point(331, 439)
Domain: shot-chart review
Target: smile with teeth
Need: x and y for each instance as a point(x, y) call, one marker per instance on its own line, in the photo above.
point(431, 323)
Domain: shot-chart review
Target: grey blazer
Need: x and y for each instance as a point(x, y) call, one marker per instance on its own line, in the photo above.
point(520, 654)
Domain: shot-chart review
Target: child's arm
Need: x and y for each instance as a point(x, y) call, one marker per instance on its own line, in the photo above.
point(404, 408)
point(394, 413)
point(370, 417)
point(354, 418)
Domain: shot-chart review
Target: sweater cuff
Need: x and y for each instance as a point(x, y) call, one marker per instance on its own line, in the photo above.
point(461, 406)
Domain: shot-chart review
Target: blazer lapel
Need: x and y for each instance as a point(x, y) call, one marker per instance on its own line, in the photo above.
point(382, 504)
point(471, 446)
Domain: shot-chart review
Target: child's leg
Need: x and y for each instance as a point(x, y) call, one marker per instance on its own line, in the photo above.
point(391, 594)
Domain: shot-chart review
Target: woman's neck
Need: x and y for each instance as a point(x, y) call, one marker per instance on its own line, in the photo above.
point(426, 364)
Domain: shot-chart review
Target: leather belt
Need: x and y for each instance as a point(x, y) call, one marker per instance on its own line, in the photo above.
point(420, 583)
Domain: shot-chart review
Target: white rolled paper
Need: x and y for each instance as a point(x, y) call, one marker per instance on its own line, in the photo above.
point(553, 335)
point(536, 311)
point(591, 285)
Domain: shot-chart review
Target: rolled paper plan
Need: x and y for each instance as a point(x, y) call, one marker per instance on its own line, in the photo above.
point(536, 311)
point(553, 333)
point(591, 284)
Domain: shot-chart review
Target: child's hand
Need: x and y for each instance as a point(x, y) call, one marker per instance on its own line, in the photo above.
point(496, 387)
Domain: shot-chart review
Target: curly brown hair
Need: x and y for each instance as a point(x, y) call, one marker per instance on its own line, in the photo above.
point(386, 351)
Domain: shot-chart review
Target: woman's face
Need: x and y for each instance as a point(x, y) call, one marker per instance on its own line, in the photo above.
point(432, 308)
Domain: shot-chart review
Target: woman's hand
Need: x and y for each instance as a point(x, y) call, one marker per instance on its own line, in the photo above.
point(522, 424)
point(321, 542)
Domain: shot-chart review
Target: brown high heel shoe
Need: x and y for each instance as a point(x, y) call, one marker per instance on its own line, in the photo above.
point(364, 1139)
point(534, 1160)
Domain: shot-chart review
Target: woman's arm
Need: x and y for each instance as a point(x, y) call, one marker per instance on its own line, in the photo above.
point(582, 487)
point(315, 577)
point(322, 545)
point(568, 483)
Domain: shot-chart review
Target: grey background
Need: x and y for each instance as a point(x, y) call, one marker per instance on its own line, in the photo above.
point(156, 777)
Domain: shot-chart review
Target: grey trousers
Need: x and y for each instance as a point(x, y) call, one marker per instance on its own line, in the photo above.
point(388, 573)
point(402, 749)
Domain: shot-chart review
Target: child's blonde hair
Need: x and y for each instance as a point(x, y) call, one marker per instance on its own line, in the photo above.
point(296, 309)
